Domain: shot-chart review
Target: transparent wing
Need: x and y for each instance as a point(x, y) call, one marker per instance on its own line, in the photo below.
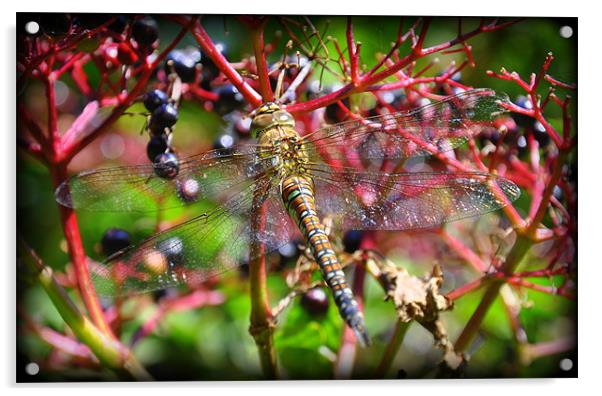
point(402, 201)
point(215, 175)
point(436, 127)
point(200, 248)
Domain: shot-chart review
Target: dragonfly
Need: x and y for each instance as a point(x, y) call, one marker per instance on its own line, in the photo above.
point(292, 183)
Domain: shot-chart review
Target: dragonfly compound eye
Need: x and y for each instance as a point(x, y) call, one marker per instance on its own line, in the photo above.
point(282, 117)
point(260, 123)
point(269, 115)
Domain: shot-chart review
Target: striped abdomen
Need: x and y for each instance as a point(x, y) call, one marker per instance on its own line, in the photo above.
point(298, 196)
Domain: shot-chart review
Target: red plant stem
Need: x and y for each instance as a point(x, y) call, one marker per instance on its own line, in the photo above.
point(557, 83)
point(512, 309)
point(202, 94)
point(262, 320)
point(67, 65)
point(426, 68)
point(194, 300)
point(79, 77)
point(57, 340)
point(353, 53)
point(515, 257)
point(341, 61)
point(262, 66)
point(68, 219)
point(516, 279)
point(542, 72)
point(201, 36)
point(35, 130)
point(370, 80)
point(520, 166)
point(33, 148)
point(400, 39)
point(540, 288)
point(545, 201)
point(477, 317)
point(393, 346)
point(547, 348)
point(52, 50)
point(78, 258)
point(65, 344)
point(464, 251)
point(548, 127)
point(74, 146)
point(477, 158)
point(466, 288)
point(53, 133)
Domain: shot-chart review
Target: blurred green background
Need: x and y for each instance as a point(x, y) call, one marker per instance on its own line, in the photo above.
point(213, 343)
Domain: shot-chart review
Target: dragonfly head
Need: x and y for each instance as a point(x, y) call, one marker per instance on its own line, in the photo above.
point(270, 115)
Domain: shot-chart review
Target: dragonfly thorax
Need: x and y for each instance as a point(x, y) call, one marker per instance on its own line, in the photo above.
point(287, 153)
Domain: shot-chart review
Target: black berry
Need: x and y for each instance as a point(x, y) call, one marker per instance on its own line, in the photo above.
point(156, 145)
point(334, 113)
point(145, 31)
point(164, 116)
point(540, 134)
point(210, 70)
point(119, 24)
point(167, 165)
point(288, 254)
point(114, 240)
point(288, 251)
point(224, 142)
point(183, 62)
point(315, 301)
point(521, 119)
point(352, 240)
point(558, 193)
point(399, 100)
point(153, 99)
point(491, 135)
point(521, 145)
point(229, 99)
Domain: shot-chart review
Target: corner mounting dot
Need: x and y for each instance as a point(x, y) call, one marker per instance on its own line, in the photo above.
point(566, 32)
point(32, 27)
point(566, 364)
point(32, 368)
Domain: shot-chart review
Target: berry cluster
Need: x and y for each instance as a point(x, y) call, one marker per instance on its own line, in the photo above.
point(163, 117)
